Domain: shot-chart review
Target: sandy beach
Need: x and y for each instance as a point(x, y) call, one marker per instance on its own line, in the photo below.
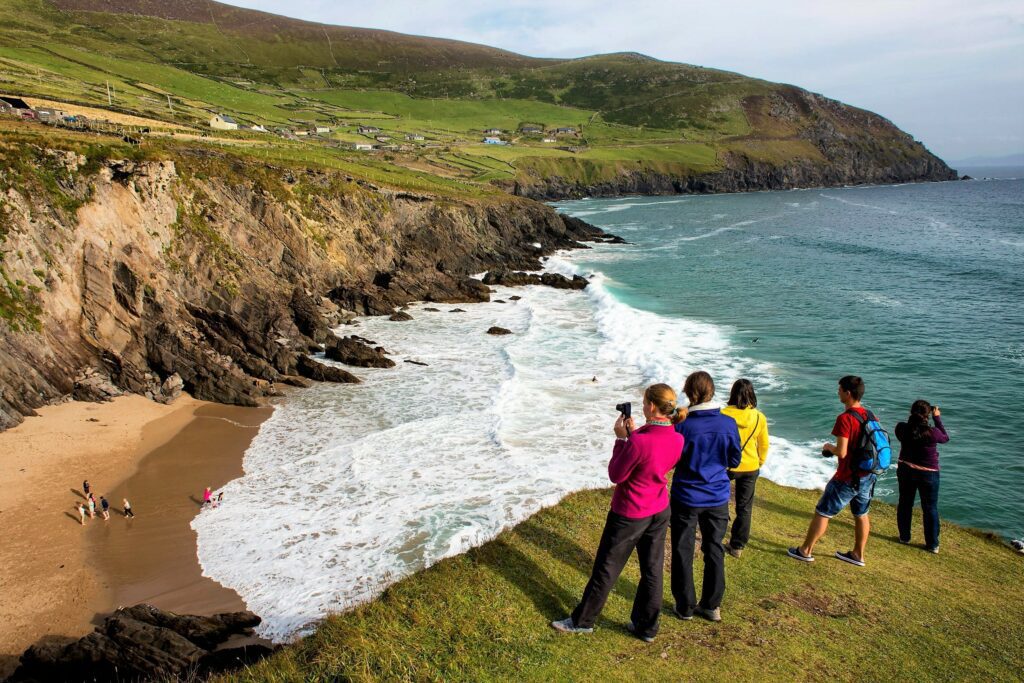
point(57, 576)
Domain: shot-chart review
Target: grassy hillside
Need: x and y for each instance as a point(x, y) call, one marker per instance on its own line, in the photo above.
point(909, 615)
point(181, 60)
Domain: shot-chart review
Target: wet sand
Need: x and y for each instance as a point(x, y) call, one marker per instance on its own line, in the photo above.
point(56, 576)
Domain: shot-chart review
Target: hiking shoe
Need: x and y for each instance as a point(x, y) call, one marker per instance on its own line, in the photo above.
point(735, 552)
point(631, 627)
point(566, 626)
point(906, 542)
point(848, 557)
point(714, 615)
point(934, 551)
point(680, 615)
point(797, 555)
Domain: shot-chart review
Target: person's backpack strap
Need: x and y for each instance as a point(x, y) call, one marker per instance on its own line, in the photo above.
point(855, 467)
point(757, 421)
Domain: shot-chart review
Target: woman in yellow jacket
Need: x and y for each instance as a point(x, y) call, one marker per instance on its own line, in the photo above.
point(754, 438)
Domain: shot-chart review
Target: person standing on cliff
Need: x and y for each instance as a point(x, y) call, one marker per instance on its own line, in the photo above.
point(845, 487)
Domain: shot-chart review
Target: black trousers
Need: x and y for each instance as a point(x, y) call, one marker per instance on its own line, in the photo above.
point(745, 483)
point(621, 535)
point(913, 482)
point(712, 522)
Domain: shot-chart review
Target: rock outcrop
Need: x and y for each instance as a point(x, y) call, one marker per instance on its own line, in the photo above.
point(357, 353)
point(518, 279)
point(143, 643)
point(215, 275)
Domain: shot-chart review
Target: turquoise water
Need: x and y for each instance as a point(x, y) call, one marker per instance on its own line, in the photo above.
point(916, 288)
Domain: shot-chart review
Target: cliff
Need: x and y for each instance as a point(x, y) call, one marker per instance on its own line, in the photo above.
point(210, 272)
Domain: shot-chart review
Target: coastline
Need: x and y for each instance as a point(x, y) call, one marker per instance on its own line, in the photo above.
point(60, 576)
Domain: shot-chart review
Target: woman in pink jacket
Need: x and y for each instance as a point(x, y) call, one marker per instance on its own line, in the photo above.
point(639, 516)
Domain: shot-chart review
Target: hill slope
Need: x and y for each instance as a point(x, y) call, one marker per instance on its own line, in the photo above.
point(638, 124)
point(484, 615)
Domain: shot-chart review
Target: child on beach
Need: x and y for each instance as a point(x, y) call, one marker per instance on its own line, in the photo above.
point(105, 507)
point(92, 507)
point(81, 513)
point(127, 508)
point(207, 497)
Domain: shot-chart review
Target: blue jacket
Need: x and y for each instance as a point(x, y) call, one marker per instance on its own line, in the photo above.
point(712, 445)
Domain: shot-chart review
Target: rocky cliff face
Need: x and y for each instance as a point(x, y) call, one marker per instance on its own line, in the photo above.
point(820, 143)
point(206, 273)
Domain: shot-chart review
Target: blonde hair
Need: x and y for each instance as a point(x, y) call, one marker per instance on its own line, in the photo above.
point(664, 398)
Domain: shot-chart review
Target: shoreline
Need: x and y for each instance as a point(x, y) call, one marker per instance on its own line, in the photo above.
point(62, 577)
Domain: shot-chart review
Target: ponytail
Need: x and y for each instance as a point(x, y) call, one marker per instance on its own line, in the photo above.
point(679, 415)
point(918, 420)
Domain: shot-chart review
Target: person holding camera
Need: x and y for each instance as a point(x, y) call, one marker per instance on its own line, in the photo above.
point(918, 471)
point(753, 426)
point(639, 514)
point(700, 497)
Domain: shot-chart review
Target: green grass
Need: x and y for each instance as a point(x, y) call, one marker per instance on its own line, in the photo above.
point(909, 615)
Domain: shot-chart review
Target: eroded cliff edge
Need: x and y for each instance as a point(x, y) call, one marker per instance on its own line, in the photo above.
point(216, 273)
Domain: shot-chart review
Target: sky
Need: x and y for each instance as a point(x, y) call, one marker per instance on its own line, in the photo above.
point(950, 73)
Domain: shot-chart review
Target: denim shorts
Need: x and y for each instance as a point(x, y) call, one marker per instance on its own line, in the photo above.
point(839, 494)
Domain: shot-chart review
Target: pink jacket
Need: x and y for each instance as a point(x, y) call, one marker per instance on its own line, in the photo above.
point(638, 468)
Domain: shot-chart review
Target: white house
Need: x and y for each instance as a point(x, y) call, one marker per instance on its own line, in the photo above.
point(369, 130)
point(492, 131)
point(321, 130)
point(549, 140)
point(362, 146)
point(414, 136)
point(223, 122)
point(258, 129)
point(494, 141)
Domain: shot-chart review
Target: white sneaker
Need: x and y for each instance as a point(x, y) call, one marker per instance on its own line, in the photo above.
point(566, 626)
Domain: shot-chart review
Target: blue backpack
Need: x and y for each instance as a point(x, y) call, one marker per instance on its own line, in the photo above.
point(872, 453)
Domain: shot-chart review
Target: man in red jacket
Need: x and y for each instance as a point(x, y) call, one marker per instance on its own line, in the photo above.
point(847, 487)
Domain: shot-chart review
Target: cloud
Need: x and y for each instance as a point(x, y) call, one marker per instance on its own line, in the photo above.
point(870, 53)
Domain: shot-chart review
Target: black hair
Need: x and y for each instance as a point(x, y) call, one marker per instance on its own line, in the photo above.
point(853, 385)
point(742, 394)
point(920, 411)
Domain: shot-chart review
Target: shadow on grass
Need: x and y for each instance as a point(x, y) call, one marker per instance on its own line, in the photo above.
point(550, 599)
point(772, 506)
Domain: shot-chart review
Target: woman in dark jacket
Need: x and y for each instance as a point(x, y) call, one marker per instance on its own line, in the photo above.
point(700, 498)
point(918, 471)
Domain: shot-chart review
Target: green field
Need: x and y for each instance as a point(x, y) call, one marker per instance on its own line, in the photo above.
point(482, 616)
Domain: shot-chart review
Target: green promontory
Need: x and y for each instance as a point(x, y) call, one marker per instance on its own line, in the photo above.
point(908, 616)
point(597, 125)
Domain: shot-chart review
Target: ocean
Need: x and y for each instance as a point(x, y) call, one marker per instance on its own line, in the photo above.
point(916, 288)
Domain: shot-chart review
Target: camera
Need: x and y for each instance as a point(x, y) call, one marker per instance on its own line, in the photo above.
point(625, 408)
point(825, 453)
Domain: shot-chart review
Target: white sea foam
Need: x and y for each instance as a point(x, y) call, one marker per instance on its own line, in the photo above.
point(349, 488)
point(863, 206)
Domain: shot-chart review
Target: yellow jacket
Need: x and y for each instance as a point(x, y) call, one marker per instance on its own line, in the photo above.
point(754, 433)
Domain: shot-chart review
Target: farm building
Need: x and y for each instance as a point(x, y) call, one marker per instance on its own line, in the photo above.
point(494, 141)
point(492, 131)
point(549, 140)
point(565, 131)
point(223, 122)
point(15, 103)
point(531, 130)
point(362, 146)
point(49, 114)
point(414, 136)
point(321, 130)
point(382, 138)
point(369, 130)
point(258, 129)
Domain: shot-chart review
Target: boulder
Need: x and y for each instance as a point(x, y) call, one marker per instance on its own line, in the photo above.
point(144, 643)
point(356, 352)
point(319, 372)
point(456, 310)
point(399, 316)
point(498, 331)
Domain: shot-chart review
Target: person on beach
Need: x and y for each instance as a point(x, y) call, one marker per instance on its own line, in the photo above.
point(127, 507)
point(85, 488)
point(220, 499)
point(846, 487)
point(207, 495)
point(753, 426)
point(105, 508)
point(918, 471)
point(92, 507)
point(81, 513)
point(638, 518)
point(700, 498)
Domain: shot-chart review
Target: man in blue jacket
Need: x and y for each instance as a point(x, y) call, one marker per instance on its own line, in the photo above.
point(700, 497)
